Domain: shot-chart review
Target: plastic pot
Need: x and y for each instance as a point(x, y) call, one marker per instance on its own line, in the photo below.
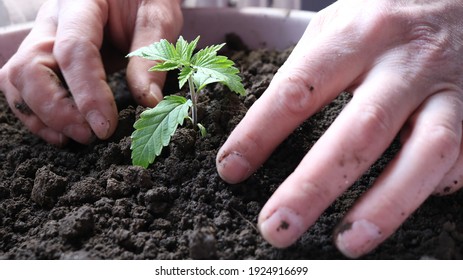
point(257, 27)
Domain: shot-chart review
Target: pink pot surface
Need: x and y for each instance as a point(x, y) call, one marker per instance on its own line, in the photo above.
point(257, 27)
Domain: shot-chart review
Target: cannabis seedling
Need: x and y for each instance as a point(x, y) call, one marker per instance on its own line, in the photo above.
point(156, 126)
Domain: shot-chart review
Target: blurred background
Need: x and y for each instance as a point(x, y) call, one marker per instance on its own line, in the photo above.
point(20, 11)
point(311, 5)
point(315, 5)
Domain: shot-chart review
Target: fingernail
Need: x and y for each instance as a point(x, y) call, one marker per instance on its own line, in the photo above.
point(357, 238)
point(233, 167)
point(79, 133)
point(99, 124)
point(156, 93)
point(282, 228)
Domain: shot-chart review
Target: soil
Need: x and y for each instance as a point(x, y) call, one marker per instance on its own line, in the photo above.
point(89, 202)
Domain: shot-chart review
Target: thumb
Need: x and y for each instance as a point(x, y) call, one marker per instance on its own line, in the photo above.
point(155, 21)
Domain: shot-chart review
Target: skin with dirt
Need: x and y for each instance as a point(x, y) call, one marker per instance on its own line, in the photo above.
point(88, 202)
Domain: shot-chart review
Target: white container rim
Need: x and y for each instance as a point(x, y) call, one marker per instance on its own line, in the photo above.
point(257, 27)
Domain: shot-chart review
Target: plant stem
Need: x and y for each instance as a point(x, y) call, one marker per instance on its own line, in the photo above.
point(194, 100)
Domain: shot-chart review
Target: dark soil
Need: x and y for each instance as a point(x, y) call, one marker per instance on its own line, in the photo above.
point(88, 202)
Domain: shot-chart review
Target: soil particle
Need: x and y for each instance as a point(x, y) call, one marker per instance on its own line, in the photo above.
point(157, 200)
point(23, 108)
point(47, 187)
point(202, 244)
point(284, 225)
point(87, 190)
point(76, 224)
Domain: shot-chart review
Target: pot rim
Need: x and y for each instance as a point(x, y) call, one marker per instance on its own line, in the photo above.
point(258, 27)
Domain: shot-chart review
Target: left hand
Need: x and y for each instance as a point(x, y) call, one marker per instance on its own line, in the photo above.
point(65, 46)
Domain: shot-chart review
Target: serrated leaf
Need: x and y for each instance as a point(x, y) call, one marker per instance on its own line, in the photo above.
point(185, 50)
point(162, 50)
point(202, 56)
point(155, 128)
point(165, 66)
point(212, 69)
point(184, 75)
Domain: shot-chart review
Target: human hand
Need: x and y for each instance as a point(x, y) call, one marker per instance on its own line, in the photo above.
point(402, 62)
point(64, 48)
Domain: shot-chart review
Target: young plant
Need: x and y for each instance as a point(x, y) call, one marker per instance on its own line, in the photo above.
point(156, 126)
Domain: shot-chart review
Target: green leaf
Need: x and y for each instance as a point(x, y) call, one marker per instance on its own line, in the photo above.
point(162, 50)
point(205, 54)
point(202, 130)
point(205, 67)
point(155, 128)
point(211, 68)
point(185, 50)
point(164, 66)
point(184, 75)
point(170, 57)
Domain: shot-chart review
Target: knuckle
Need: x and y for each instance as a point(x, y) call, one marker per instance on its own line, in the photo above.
point(18, 70)
point(26, 62)
point(85, 103)
point(24, 73)
point(397, 206)
point(42, 111)
point(295, 94)
point(72, 48)
point(374, 116)
point(444, 137)
point(377, 18)
point(311, 191)
point(168, 19)
point(373, 123)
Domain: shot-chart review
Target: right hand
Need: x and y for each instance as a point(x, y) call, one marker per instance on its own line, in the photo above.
point(402, 62)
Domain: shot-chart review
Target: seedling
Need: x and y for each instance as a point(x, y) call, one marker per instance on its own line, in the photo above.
point(156, 126)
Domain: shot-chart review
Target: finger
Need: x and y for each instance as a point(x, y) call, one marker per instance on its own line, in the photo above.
point(453, 180)
point(340, 156)
point(51, 104)
point(78, 41)
point(26, 115)
point(319, 68)
point(431, 150)
point(47, 112)
point(155, 21)
point(314, 74)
